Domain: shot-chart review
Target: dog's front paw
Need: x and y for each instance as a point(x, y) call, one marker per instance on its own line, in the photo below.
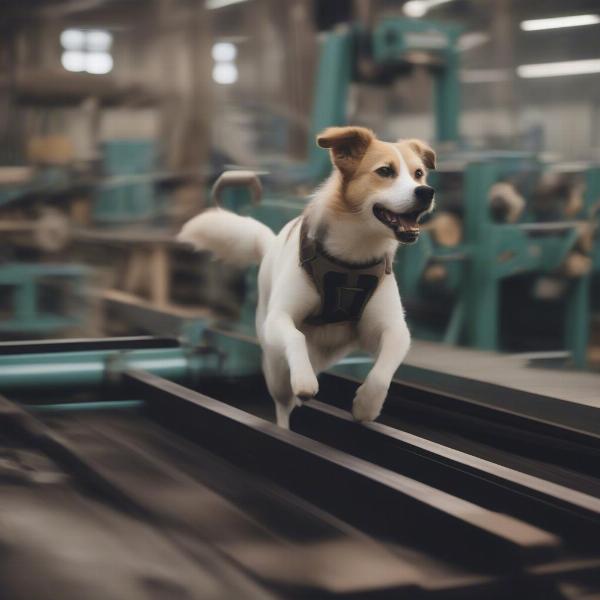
point(304, 385)
point(369, 400)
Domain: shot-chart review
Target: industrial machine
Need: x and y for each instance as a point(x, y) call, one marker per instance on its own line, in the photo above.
point(42, 294)
point(458, 288)
point(466, 278)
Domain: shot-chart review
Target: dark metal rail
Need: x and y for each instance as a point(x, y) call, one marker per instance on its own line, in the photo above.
point(386, 504)
point(498, 502)
point(505, 427)
point(86, 345)
point(532, 498)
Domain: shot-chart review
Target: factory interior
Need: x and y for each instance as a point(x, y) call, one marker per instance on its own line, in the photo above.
point(141, 454)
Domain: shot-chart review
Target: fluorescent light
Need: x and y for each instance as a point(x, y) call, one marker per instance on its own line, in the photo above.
point(214, 4)
point(557, 69)
point(418, 8)
point(559, 22)
point(415, 8)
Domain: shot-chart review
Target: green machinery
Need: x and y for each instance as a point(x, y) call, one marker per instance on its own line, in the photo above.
point(353, 54)
point(38, 298)
point(27, 284)
point(127, 192)
point(489, 252)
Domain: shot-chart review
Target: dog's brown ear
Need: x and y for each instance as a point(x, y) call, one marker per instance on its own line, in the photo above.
point(424, 151)
point(347, 145)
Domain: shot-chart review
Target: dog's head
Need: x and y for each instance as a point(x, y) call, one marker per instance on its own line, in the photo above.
point(384, 183)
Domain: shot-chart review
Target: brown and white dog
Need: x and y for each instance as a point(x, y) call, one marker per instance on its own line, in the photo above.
point(371, 202)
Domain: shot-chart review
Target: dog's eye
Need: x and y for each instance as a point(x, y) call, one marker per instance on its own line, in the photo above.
point(385, 171)
point(419, 173)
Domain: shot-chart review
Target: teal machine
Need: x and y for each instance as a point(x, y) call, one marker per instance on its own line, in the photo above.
point(40, 294)
point(489, 252)
point(353, 54)
point(128, 192)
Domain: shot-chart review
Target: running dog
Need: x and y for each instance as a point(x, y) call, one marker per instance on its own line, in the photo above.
point(326, 285)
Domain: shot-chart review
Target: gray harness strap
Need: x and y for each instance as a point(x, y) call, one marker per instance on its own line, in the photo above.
point(344, 288)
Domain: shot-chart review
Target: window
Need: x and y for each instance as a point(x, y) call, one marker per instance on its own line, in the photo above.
point(225, 70)
point(86, 50)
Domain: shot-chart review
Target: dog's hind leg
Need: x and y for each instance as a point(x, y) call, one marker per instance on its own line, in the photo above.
point(277, 376)
point(283, 412)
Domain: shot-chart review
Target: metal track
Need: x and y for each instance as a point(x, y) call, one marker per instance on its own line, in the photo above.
point(445, 497)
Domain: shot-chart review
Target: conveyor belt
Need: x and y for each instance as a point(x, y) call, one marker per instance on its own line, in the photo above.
point(443, 498)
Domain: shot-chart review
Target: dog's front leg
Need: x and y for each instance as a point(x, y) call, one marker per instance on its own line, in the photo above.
point(384, 333)
point(371, 395)
point(282, 335)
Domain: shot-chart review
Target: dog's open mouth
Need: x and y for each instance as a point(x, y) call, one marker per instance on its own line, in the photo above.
point(404, 225)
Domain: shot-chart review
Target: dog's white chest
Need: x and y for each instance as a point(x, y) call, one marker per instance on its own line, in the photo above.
point(330, 337)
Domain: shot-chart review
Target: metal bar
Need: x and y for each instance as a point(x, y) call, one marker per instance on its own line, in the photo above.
point(500, 407)
point(86, 345)
point(452, 470)
point(70, 370)
point(367, 495)
point(85, 406)
point(260, 516)
point(568, 416)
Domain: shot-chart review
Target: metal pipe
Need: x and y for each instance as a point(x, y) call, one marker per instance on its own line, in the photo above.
point(68, 370)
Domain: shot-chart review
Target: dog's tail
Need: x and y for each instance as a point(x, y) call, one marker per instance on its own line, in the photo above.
point(231, 238)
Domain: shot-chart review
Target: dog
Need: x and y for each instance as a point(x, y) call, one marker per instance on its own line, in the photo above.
point(325, 282)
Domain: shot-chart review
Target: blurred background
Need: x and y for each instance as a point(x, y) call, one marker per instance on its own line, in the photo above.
point(117, 116)
point(139, 455)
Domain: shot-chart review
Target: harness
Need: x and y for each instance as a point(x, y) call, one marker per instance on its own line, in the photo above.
point(344, 288)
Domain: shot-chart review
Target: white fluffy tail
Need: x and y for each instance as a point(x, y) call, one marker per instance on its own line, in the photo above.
point(231, 238)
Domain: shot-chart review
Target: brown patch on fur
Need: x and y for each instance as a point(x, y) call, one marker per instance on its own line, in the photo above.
point(338, 202)
point(357, 154)
point(353, 190)
point(424, 151)
point(347, 146)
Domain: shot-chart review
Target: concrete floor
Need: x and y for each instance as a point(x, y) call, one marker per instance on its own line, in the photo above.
point(507, 370)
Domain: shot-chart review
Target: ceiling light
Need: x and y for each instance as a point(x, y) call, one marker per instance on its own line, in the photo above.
point(559, 22)
point(415, 8)
point(418, 8)
point(557, 69)
point(214, 4)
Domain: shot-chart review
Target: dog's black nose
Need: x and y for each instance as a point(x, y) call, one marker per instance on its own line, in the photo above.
point(424, 195)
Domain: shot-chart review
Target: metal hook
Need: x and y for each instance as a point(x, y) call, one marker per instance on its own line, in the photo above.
point(228, 179)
